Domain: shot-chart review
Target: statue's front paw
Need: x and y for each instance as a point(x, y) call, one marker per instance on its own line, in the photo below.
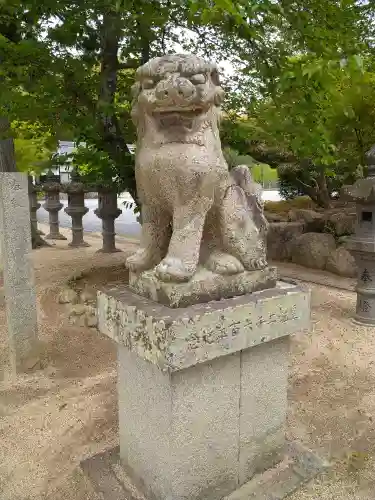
point(223, 263)
point(140, 261)
point(173, 269)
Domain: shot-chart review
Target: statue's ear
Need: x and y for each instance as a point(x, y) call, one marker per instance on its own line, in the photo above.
point(215, 77)
point(219, 96)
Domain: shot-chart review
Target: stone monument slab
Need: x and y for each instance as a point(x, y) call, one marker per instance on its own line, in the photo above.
point(18, 273)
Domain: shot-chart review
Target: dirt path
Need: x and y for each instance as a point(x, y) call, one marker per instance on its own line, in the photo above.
point(51, 420)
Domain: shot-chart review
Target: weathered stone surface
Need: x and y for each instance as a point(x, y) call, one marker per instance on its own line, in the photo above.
point(313, 221)
point(182, 176)
point(202, 389)
point(279, 238)
point(312, 249)
point(179, 432)
point(203, 287)
point(91, 320)
point(68, 296)
point(263, 406)
point(299, 466)
point(77, 310)
point(18, 271)
point(88, 296)
point(178, 338)
point(341, 262)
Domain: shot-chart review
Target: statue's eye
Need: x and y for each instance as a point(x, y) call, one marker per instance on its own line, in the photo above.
point(197, 79)
point(148, 84)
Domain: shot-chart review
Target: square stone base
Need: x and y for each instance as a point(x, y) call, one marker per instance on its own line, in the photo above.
point(202, 390)
point(203, 287)
point(110, 479)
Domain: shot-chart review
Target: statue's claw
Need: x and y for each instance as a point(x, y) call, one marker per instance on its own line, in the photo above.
point(173, 269)
point(256, 264)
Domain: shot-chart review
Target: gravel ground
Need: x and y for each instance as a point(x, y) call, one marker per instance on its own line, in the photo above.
point(52, 419)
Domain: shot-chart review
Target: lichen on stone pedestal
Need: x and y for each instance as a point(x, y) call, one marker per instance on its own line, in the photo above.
point(203, 287)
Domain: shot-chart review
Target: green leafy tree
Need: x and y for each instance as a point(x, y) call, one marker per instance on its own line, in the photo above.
point(70, 65)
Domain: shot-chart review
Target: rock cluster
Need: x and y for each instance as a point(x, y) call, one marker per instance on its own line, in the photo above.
point(313, 239)
point(81, 306)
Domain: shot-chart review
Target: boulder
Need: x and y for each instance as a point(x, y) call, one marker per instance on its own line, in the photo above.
point(279, 237)
point(341, 262)
point(313, 221)
point(341, 223)
point(276, 217)
point(68, 296)
point(312, 249)
point(88, 296)
point(77, 310)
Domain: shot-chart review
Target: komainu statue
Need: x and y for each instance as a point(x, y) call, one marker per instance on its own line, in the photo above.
point(194, 211)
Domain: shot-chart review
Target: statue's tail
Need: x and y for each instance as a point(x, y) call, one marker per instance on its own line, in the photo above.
point(253, 193)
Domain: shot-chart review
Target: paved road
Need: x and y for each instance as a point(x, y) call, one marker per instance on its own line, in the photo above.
point(126, 223)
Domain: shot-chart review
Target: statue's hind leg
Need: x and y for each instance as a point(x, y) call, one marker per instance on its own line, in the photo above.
point(240, 235)
point(213, 256)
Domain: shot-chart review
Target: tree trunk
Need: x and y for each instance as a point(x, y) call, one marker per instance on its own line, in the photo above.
point(323, 197)
point(113, 140)
point(7, 153)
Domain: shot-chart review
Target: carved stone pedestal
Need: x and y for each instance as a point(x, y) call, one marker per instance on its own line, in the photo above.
point(203, 389)
point(203, 287)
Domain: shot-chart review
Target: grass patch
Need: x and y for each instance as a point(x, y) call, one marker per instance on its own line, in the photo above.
point(284, 206)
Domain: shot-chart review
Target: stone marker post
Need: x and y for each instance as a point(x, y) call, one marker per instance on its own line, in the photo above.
point(53, 205)
point(362, 243)
point(203, 326)
point(108, 211)
point(15, 243)
point(76, 209)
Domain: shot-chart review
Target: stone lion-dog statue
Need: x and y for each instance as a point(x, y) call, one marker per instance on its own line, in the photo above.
point(194, 211)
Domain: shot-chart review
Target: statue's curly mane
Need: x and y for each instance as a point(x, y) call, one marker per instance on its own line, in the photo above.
point(187, 66)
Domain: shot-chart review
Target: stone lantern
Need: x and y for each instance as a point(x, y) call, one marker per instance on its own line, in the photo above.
point(53, 205)
point(108, 211)
point(362, 243)
point(76, 209)
point(33, 204)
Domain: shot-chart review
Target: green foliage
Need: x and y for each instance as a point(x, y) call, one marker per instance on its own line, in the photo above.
point(70, 67)
point(33, 146)
point(261, 172)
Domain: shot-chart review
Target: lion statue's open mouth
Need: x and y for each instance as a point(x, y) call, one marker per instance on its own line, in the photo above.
point(180, 118)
